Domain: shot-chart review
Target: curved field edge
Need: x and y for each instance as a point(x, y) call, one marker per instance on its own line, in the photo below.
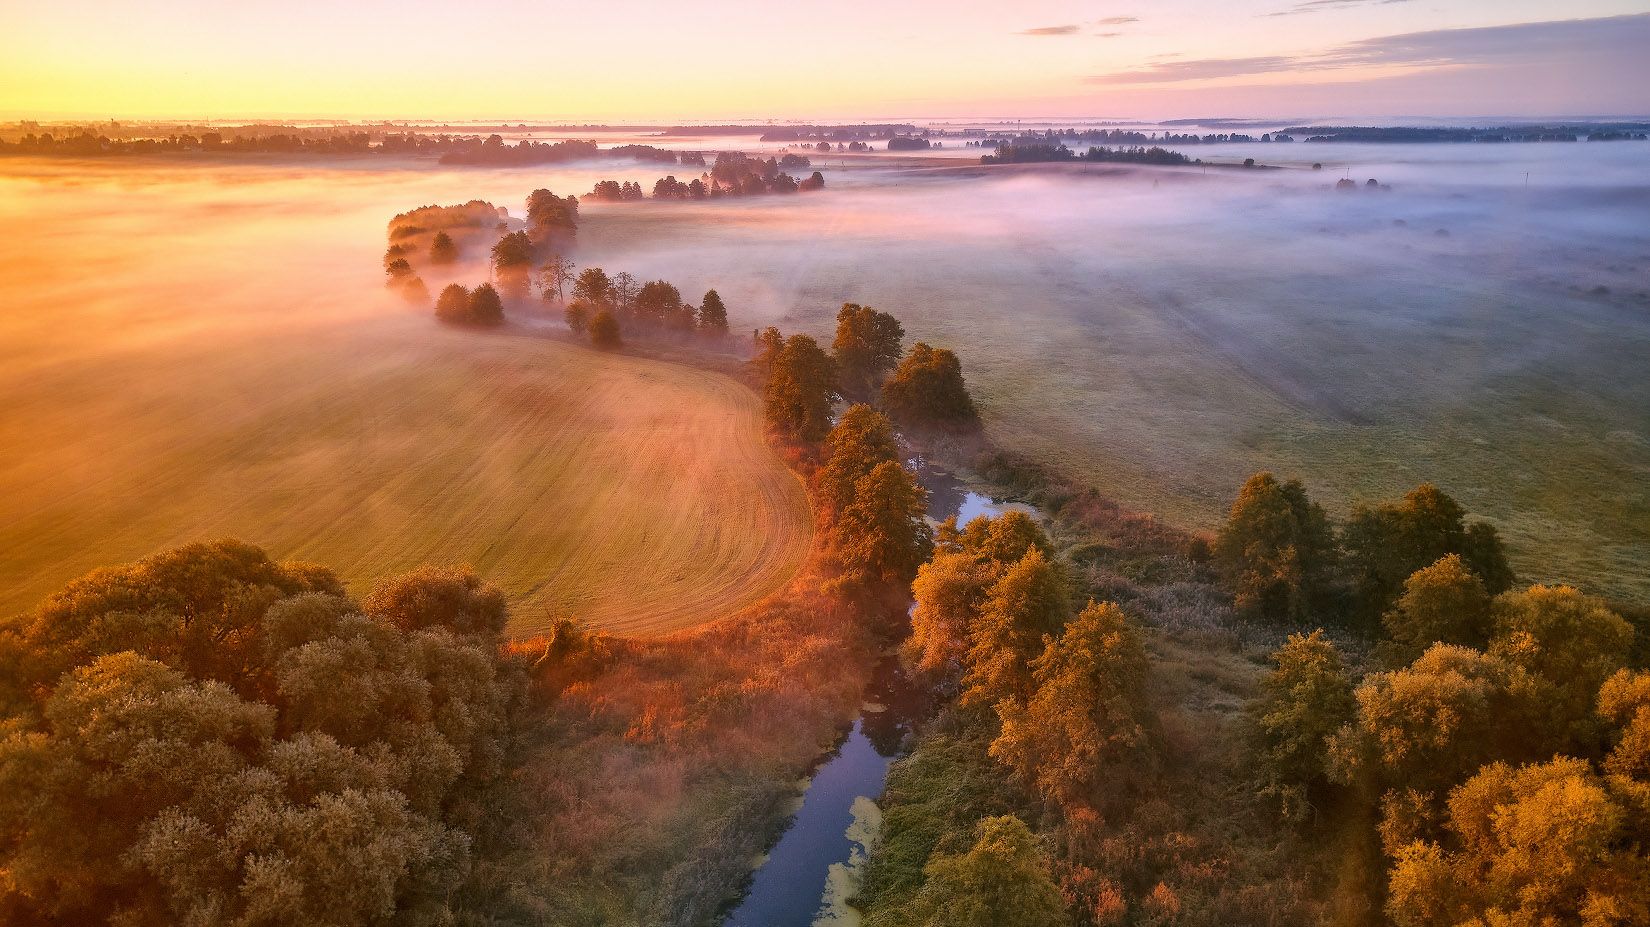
point(638, 496)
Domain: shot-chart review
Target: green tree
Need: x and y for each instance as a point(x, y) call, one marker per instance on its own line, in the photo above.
point(513, 252)
point(207, 736)
point(604, 330)
point(578, 314)
point(1303, 701)
point(1385, 544)
point(798, 392)
point(485, 309)
point(713, 315)
point(881, 537)
point(867, 345)
point(453, 305)
point(1026, 604)
point(442, 249)
point(1276, 550)
point(1084, 724)
point(1002, 881)
point(927, 389)
point(1446, 603)
point(660, 303)
point(593, 286)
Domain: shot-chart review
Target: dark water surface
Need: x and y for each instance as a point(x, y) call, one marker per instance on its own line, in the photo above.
point(809, 874)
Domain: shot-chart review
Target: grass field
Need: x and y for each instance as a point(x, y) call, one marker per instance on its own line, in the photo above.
point(239, 371)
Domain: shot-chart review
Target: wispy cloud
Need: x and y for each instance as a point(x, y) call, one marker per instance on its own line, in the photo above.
point(1117, 20)
point(1107, 35)
point(1478, 47)
point(1052, 30)
point(1323, 6)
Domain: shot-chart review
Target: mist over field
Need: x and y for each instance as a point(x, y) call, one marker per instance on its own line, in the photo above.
point(1166, 332)
point(192, 352)
point(1163, 332)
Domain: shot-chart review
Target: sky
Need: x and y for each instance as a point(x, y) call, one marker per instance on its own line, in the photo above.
point(640, 60)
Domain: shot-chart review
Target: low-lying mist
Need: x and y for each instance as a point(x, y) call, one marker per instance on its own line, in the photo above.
point(1162, 332)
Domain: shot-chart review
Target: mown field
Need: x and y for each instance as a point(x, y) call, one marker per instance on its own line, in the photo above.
point(192, 359)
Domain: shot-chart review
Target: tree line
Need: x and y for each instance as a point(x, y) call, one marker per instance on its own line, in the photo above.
point(606, 307)
point(733, 174)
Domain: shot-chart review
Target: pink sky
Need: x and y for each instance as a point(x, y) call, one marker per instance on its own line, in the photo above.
point(754, 59)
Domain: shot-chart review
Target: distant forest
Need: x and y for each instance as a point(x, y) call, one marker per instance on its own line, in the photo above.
point(1602, 132)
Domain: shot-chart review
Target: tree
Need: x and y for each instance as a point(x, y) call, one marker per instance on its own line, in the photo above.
point(485, 308)
point(1083, 724)
point(1275, 550)
point(1003, 540)
point(1001, 881)
point(867, 345)
point(862, 439)
point(1023, 606)
point(1303, 701)
point(211, 737)
point(1445, 602)
point(797, 396)
point(555, 275)
point(442, 249)
point(1424, 729)
point(881, 537)
point(453, 305)
point(604, 330)
point(713, 316)
point(513, 252)
point(1550, 844)
point(927, 389)
point(1571, 643)
point(949, 590)
point(593, 286)
point(1386, 544)
point(659, 303)
point(623, 290)
point(578, 314)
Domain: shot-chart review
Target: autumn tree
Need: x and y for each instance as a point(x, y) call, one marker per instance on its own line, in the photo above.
point(927, 390)
point(1084, 724)
point(442, 249)
point(1551, 843)
point(951, 587)
point(713, 315)
point(1385, 544)
point(861, 440)
point(604, 329)
point(622, 290)
point(1569, 642)
point(453, 305)
point(866, 346)
point(1002, 881)
point(1443, 603)
point(659, 303)
point(797, 396)
point(1276, 550)
point(1304, 700)
point(1028, 602)
point(881, 537)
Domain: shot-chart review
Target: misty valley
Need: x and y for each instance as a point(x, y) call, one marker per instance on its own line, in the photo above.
point(943, 522)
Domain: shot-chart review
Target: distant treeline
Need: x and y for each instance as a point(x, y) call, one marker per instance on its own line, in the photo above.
point(453, 149)
point(733, 174)
point(1041, 152)
point(1561, 133)
point(1127, 137)
point(838, 133)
